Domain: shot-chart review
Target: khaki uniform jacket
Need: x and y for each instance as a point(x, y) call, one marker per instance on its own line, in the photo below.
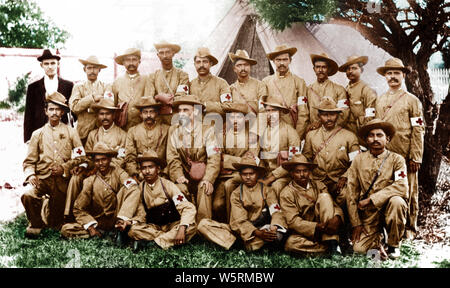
point(361, 97)
point(250, 92)
point(250, 208)
point(236, 145)
point(270, 148)
point(317, 91)
point(335, 158)
point(80, 102)
point(115, 137)
point(391, 182)
point(404, 115)
point(129, 89)
point(97, 202)
point(209, 92)
point(53, 145)
point(299, 205)
point(204, 149)
point(175, 77)
point(154, 196)
point(290, 90)
point(141, 139)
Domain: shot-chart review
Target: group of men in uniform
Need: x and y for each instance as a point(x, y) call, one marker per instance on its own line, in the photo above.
point(274, 162)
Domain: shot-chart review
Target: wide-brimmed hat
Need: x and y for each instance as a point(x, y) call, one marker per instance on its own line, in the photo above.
point(57, 98)
point(47, 54)
point(93, 60)
point(204, 52)
point(275, 103)
point(104, 103)
point(298, 159)
point(147, 101)
point(281, 50)
point(249, 162)
point(376, 123)
point(241, 55)
point(332, 65)
point(392, 64)
point(327, 104)
point(187, 99)
point(101, 148)
point(353, 60)
point(235, 107)
point(151, 155)
point(128, 52)
point(164, 44)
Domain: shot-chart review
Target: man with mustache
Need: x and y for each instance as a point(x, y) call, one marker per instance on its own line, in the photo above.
point(361, 97)
point(167, 82)
point(150, 134)
point(288, 89)
point(332, 148)
point(87, 93)
point(311, 214)
point(39, 90)
point(325, 67)
point(53, 151)
point(376, 192)
point(109, 198)
point(129, 88)
point(211, 90)
point(404, 110)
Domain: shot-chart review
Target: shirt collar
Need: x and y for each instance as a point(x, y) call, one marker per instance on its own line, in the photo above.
point(288, 73)
point(300, 187)
point(132, 77)
point(107, 130)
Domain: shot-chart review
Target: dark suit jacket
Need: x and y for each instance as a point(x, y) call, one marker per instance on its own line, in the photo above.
point(35, 117)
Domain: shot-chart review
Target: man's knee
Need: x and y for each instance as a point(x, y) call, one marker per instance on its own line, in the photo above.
point(397, 203)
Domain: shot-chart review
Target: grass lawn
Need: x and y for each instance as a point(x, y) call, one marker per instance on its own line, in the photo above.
point(50, 250)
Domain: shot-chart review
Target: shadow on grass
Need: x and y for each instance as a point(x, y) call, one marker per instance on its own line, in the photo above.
point(50, 250)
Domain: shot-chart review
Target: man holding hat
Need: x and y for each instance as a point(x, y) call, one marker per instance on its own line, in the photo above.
point(361, 97)
point(310, 212)
point(167, 82)
point(39, 90)
point(377, 188)
point(193, 155)
point(246, 89)
point(212, 91)
point(325, 67)
point(332, 148)
point(129, 88)
point(150, 134)
point(53, 151)
point(109, 198)
point(404, 110)
point(85, 94)
point(288, 89)
point(164, 214)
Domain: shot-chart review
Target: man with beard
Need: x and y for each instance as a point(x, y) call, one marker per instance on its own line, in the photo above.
point(288, 89)
point(311, 214)
point(53, 151)
point(404, 110)
point(213, 91)
point(361, 97)
point(164, 83)
point(129, 88)
point(377, 190)
point(85, 94)
point(109, 198)
point(193, 155)
point(150, 134)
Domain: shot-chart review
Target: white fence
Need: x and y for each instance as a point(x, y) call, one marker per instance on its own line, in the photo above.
point(440, 80)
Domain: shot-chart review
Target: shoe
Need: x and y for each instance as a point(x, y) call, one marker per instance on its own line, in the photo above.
point(333, 247)
point(393, 252)
point(410, 235)
point(138, 245)
point(32, 233)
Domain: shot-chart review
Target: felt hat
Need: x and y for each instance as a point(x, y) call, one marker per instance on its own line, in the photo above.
point(104, 103)
point(281, 50)
point(93, 60)
point(376, 123)
point(327, 104)
point(57, 98)
point(151, 155)
point(187, 99)
point(164, 44)
point(249, 162)
point(353, 60)
point(242, 55)
point(392, 64)
point(332, 65)
point(47, 54)
point(298, 159)
point(275, 103)
point(147, 101)
point(128, 52)
point(204, 52)
point(103, 149)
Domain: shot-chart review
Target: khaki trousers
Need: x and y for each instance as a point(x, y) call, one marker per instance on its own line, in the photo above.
point(219, 233)
point(413, 201)
point(197, 196)
point(73, 190)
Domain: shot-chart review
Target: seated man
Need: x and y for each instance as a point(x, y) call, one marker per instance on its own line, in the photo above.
point(310, 212)
point(377, 190)
point(108, 198)
point(164, 214)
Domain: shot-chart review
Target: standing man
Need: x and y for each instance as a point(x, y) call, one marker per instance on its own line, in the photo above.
point(53, 151)
point(361, 97)
point(129, 88)
point(377, 190)
point(288, 89)
point(39, 90)
point(404, 110)
point(85, 94)
point(164, 83)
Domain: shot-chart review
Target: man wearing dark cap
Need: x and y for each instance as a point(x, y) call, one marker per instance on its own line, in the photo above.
point(37, 91)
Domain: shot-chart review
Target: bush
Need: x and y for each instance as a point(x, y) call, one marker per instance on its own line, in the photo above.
point(16, 94)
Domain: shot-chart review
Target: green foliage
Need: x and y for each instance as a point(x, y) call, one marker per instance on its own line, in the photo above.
point(443, 264)
point(16, 94)
point(5, 105)
point(179, 63)
point(22, 24)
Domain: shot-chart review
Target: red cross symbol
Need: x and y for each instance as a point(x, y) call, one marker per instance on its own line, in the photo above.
point(79, 151)
point(293, 150)
point(346, 102)
point(185, 88)
point(128, 182)
point(277, 207)
point(180, 198)
point(403, 175)
point(228, 97)
point(216, 149)
point(305, 99)
point(419, 121)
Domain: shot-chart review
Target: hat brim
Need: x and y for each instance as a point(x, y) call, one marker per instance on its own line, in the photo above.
point(282, 108)
point(382, 70)
point(361, 59)
point(332, 65)
point(58, 103)
point(155, 105)
point(290, 165)
point(291, 52)
point(188, 102)
point(84, 62)
point(45, 57)
point(387, 127)
point(161, 162)
point(234, 58)
point(98, 107)
point(175, 48)
point(119, 59)
point(338, 110)
point(239, 166)
point(108, 153)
